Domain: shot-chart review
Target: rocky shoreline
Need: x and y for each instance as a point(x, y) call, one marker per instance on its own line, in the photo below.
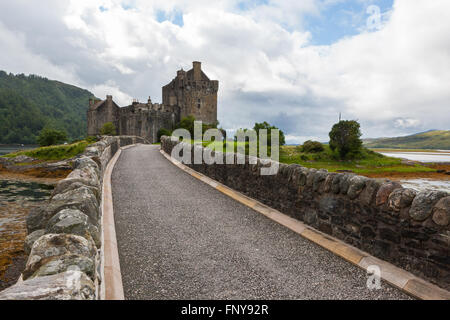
point(17, 199)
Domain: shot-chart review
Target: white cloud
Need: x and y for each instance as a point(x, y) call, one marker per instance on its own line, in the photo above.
point(394, 80)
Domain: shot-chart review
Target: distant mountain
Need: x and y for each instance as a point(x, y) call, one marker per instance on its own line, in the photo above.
point(433, 139)
point(28, 103)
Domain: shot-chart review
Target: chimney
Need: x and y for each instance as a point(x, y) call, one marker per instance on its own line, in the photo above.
point(197, 70)
point(109, 98)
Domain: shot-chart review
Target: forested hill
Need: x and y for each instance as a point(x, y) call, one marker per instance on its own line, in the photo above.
point(28, 103)
point(433, 139)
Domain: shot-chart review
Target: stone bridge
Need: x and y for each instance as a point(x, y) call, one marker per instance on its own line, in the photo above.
point(130, 222)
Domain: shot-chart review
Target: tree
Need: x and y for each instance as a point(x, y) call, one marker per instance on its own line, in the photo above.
point(48, 137)
point(345, 138)
point(108, 129)
point(265, 125)
point(187, 123)
point(312, 147)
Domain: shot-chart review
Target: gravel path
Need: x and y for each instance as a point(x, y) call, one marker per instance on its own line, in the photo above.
point(179, 238)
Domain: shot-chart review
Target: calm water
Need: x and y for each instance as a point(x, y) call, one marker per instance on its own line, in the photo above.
point(426, 184)
point(4, 149)
point(16, 200)
point(421, 156)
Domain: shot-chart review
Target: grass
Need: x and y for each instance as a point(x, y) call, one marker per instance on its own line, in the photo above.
point(58, 152)
point(368, 161)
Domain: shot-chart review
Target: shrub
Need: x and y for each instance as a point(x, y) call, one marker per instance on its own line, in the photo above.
point(49, 137)
point(91, 139)
point(163, 132)
point(345, 138)
point(312, 147)
point(108, 129)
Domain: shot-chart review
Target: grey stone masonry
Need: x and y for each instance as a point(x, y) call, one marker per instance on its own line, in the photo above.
point(64, 234)
point(408, 229)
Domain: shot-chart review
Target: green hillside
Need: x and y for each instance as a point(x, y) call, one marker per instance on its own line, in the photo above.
point(28, 103)
point(435, 139)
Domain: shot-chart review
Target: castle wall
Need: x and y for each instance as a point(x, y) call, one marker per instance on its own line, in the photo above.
point(101, 113)
point(145, 123)
point(189, 93)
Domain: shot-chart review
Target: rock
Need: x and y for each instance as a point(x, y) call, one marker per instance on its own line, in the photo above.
point(83, 195)
point(385, 190)
point(39, 217)
point(84, 162)
point(55, 246)
point(92, 151)
point(71, 184)
point(328, 204)
point(401, 198)
point(441, 171)
point(441, 212)
point(310, 177)
point(369, 193)
point(422, 205)
point(296, 172)
point(345, 183)
point(310, 218)
point(67, 262)
point(319, 178)
point(87, 175)
point(326, 186)
point(70, 285)
point(73, 221)
point(22, 159)
point(357, 184)
point(335, 186)
point(303, 174)
point(31, 238)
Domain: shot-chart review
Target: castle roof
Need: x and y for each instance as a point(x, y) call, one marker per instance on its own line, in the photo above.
point(190, 75)
point(97, 104)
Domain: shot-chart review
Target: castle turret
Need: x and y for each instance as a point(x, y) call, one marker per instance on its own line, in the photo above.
point(192, 93)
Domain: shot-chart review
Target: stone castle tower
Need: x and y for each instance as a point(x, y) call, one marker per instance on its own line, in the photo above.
point(193, 93)
point(189, 93)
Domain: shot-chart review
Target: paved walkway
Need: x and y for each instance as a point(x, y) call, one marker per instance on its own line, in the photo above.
point(178, 238)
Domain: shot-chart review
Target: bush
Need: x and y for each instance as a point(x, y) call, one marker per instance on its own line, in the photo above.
point(188, 124)
point(312, 147)
point(49, 137)
point(345, 138)
point(108, 129)
point(163, 132)
point(91, 139)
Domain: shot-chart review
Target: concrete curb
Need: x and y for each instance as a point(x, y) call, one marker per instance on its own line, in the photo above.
point(395, 276)
point(112, 288)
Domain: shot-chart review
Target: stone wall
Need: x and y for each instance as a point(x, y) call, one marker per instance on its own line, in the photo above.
point(64, 234)
point(399, 225)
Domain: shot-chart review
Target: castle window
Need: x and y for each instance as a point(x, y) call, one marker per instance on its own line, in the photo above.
point(199, 103)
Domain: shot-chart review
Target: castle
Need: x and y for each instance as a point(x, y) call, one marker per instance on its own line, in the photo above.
point(190, 93)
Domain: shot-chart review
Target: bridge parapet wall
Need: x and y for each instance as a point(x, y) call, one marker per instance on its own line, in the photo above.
point(64, 234)
point(407, 228)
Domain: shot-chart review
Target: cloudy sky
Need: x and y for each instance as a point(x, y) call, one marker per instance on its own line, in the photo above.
point(294, 63)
